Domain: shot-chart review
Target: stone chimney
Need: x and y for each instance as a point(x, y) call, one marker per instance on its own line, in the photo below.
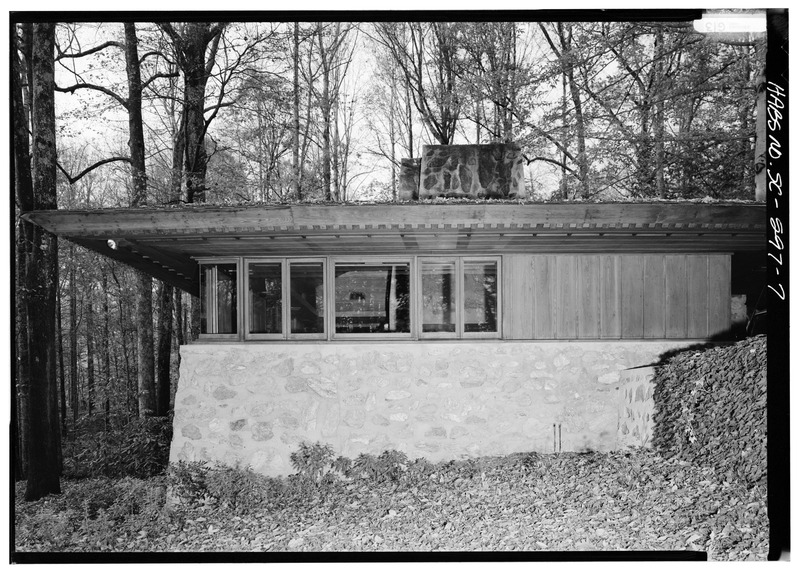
point(464, 171)
point(408, 188)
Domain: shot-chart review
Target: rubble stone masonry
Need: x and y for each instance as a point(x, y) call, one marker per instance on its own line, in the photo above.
point(252, 404)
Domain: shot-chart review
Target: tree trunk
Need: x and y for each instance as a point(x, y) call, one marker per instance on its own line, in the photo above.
point(62, 373)
point(296, 114)
point(106, 347)
point(90, 380)
point(73, 338)
point(144, 346)
point(163, 357)
point(580, 128)
point(41, 280)
point(144, 320)
point(658, 121)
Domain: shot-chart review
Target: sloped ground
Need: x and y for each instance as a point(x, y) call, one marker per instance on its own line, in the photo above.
point(711, 408)
point(524, 502)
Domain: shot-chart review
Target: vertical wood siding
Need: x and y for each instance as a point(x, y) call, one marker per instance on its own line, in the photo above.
point(616, 296)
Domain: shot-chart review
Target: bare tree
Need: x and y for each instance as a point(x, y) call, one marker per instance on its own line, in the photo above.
point(38, 266)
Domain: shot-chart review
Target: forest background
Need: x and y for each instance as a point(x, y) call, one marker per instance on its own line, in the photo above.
point(174, 114)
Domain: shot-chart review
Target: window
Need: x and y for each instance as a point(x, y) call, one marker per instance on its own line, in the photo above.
point(265, 298)
point(285, 299)
point(218, 299)
point(307, 303)
point(372, 297)
point(480, 297)
point(438, 296)
point(458, 297)
point(293, 298)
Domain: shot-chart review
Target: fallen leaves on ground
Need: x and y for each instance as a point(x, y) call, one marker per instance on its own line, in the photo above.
point(524, 502)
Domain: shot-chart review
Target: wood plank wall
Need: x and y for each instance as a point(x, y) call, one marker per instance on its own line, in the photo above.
point(627, 296)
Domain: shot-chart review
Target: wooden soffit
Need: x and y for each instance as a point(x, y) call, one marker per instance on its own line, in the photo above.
point(166, 242)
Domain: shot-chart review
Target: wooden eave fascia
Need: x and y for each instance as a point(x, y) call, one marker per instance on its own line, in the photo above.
point(320, 218)
point(157, 241)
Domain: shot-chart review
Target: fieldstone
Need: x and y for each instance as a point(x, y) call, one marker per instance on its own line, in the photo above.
point(288, 421)
point(379, 420)
point(354, 400)
point(398, 417)
point(191, 431)
point(397, 395)
point(371, 402)
point(262, 431)
point(261, 459)
point(324, 387)
point(189, 400)
point(458, 432)
point(309, 369)
point(224, 393)
point(354, 418)
point(560, 361)
point(238, 425)
point(283, 369)
point(540, 374)
point(473, 419)
point(236, 441)
point(261, 409)
point(471, 383)
point(295, 384)
point(215, 425)
point(436, 432)
point(186, 452)
point(428, 447)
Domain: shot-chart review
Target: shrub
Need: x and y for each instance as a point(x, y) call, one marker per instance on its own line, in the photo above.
point(312, 461)
point(139, 449)
point(90, 497)
point(188, 480)
point(238, 489)
point(389, 466)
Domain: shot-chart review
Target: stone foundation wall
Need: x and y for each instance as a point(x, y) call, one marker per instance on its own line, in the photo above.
point(251, 404)
point(637, 407)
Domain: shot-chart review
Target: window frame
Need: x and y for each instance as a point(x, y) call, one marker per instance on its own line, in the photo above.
point(329, 263)
point(367, 260)
point(286, 317)
point(212, 300)
point(247, 262)
point(456, 297)
point(497, 260)
point(288, 299)
point(459, 295)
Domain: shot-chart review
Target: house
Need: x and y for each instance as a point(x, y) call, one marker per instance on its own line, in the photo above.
point(444, 330)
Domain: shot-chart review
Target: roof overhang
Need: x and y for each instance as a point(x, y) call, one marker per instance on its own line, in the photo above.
point(167, 242)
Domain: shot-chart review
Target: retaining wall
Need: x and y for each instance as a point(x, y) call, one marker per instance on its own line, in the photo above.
point(251, 404)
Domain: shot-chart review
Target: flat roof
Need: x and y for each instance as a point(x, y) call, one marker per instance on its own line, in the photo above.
point(166, 242)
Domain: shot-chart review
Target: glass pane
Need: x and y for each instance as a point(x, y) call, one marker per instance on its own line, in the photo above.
point(206, 272)
point(306, 286)
point(266, 298)
point(438, 296)
point(226, 298)
point(480, 296)
point(372, 298)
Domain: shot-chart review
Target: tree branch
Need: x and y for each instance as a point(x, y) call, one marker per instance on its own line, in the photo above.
point(147, 83)
point(74, 179)
point(95, 49)
point(73, 88)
